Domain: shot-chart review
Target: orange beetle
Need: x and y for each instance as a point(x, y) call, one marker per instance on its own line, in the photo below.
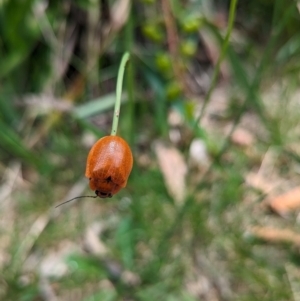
point(108, 166)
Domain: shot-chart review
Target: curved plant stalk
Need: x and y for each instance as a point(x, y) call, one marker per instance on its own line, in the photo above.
point(124, 60)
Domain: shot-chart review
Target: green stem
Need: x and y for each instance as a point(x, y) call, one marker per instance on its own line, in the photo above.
point(124, 60)
point(232, 13)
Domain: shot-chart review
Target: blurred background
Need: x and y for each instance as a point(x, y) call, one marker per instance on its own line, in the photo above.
point(211, 106)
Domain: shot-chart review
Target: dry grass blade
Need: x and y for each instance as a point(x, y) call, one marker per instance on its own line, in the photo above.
point(285, 203)
point(266, 178)
point(119, 14)
point(272, 235)
point(174, 169)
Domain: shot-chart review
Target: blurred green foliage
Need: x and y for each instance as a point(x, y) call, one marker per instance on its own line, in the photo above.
point(58, 67)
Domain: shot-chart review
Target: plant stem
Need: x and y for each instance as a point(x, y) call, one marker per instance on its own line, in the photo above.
point(232, 13)
point(124, 60)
